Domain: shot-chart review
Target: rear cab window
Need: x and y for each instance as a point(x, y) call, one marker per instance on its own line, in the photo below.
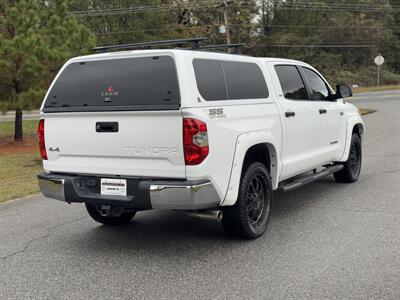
point(210, 79)
point(138, 83)
point(229, 80)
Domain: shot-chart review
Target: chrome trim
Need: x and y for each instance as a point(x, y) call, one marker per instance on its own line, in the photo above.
point(52, 188)
point(184, 197)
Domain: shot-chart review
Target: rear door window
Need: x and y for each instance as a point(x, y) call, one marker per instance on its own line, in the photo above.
point(142, 83)
point(227, 80)
point(291, 82)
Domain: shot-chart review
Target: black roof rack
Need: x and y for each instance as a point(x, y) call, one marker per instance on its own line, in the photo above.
point(236, 47)
point(180, 43)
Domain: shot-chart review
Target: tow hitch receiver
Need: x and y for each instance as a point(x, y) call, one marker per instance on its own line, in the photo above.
point(112, 211)
point(105, 210)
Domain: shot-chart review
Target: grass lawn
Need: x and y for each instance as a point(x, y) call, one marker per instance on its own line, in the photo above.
point(376, 88)
point(19, 161)
point(18, 175)
point(7, 128)
point(366, 111)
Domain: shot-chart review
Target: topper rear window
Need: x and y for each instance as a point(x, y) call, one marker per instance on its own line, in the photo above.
point(142, 83)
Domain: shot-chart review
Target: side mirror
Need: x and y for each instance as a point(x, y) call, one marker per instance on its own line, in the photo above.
point(343, 91)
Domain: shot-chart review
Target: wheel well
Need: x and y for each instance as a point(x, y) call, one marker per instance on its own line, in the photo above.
point(257, 153)
point(359, 129)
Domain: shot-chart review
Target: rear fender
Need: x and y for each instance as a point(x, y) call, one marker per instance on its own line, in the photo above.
point(243, 143)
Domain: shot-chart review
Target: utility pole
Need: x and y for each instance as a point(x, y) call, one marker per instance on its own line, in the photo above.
point(225, 5)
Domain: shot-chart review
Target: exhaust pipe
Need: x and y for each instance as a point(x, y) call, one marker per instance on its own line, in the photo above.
point(215, 215)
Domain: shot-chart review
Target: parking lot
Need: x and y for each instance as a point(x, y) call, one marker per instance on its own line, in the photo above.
point(326, 240)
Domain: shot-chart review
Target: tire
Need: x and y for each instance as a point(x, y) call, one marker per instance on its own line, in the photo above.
point(122, 219)
point(352, 166)
point(249, 217)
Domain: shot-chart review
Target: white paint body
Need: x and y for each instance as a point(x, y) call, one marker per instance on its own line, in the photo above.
point(149, 143)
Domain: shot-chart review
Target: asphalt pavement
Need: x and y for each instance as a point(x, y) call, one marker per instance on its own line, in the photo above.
point(326, 240)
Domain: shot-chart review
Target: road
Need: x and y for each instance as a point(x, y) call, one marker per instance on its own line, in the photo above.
point(27, 115)
point(326, 240)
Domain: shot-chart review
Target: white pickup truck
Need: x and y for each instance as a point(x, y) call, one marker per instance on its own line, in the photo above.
point(204, 132)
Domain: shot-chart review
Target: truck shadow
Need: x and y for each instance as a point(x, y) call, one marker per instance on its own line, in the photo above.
point(173, 234)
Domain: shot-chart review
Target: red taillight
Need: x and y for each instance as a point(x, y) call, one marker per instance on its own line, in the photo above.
point(195, 141)
point(42, 145)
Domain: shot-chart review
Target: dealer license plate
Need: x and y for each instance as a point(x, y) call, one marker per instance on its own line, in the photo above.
point(114, 187)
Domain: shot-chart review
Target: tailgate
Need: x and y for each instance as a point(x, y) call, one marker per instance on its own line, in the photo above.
point(146, 144)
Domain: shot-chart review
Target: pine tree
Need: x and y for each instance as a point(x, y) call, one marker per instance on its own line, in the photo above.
point(36, 38)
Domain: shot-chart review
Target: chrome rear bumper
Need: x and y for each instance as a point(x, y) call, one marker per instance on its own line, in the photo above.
point(142, 194)
point(194, 195)
point(52, 188)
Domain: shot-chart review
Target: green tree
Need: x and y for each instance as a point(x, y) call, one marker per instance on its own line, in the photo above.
point(122, 21)
point(36, 38)
point(358, 30)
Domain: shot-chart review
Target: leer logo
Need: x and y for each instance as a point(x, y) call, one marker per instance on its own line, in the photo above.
point(109, 92)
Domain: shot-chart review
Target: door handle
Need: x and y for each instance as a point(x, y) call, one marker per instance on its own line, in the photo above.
point(107, 126)
point(289, 114)
point(322, 111)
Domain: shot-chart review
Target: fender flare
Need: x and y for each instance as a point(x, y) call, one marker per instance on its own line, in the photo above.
point(243, 143)
point(352, 121)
